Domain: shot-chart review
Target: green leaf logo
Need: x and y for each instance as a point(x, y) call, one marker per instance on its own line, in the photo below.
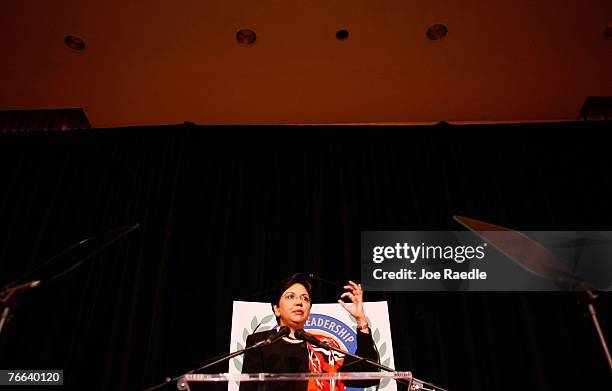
point(382, 350)
point(267, 323)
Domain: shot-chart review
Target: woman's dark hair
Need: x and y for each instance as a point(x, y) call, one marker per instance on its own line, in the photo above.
point(297, 278)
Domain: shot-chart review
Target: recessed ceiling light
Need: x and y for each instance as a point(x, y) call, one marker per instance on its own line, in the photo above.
point(436, 32)
point(74, 42)
point(608, 31)
point(246, 36)
point(342, 34)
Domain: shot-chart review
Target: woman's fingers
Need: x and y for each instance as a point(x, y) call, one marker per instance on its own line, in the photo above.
point(355, 294)
point(354, 289)
point(343, 304)
point(350, 296)
point(354, 286)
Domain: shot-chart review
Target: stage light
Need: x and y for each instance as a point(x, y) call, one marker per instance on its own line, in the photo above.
point(342, 34)
point(246, 37)
point(74, 42)
point(436, 32)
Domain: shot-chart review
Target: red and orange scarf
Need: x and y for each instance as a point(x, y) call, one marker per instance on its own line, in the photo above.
point(323, 361)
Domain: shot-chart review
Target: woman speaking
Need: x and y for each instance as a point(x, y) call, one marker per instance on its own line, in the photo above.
point(291, 304)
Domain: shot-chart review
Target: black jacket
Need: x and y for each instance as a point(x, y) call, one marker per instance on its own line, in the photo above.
point(283, 357)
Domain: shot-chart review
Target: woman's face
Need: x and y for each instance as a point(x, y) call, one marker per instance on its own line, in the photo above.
point(294, 307)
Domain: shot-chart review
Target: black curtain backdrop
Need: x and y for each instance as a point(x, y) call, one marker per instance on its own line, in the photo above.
point(225, 212)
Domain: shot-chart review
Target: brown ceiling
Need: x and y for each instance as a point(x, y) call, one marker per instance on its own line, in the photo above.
point(162, 62)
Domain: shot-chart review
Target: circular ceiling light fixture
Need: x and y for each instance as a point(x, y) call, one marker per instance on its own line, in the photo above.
point(74, 42)
point(608, 31)
point(342, 34)
point(246, 37)
point(436, 32)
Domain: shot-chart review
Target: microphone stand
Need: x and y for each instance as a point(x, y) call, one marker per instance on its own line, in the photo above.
point(88, 248)
point(591, 306)
point(182, 384)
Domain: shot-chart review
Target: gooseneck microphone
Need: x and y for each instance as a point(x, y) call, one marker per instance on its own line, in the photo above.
point(282, 332)
point(301, 334)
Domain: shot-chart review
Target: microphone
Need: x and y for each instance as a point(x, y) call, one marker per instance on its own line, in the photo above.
point(301, 334)
point(282, 332)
